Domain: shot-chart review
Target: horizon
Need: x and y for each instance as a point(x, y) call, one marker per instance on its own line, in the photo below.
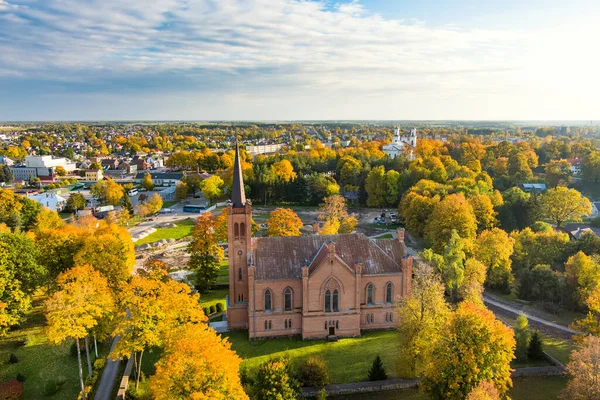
point(289, 60)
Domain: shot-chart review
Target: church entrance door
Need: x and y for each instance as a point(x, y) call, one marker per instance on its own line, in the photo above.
point(332, 331)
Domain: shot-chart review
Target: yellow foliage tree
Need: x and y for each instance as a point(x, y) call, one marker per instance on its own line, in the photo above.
point(452, 213)
point(197, 364)
point(584, 369)
point(347, 225)
point(81, 301)
point(284, 222)
point(561, 204)
point(485, 390)
point(108, 191)
point(283, 171)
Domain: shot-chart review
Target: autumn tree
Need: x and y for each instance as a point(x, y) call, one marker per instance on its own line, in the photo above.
point(60, 171)
point(590, 324)
point(584, 371)
point(150, 206)
point(494, 248)
point(424, 314)
point(197, 363)
point(561, 204)
point(108, 191)
point(416, 210)
point(347, 225)
point(275, 381)
point(212, 188)
point(14, 302)
point(558, 172)
point(475, 347)
point(75, 202)
point(375, 185)
point(484, 212)
point(147, 182)
point(583, 273)
point(81, 300)
point(284, 222)
point(452, 213)
point(283, 171)
point(333, 206)
point(392, 185)
point(47, 219)
point(205, 252)
point(472, 285)
point(485, 390)
point(182, 190)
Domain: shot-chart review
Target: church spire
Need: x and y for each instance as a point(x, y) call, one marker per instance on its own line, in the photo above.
point(238, 194)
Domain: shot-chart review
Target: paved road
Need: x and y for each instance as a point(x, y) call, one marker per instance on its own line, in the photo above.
point(516, 311)
point(109, 376)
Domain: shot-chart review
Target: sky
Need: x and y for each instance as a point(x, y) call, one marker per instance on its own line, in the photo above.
point(299, 60)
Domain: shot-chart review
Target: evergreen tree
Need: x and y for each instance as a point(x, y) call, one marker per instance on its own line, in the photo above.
point(377, 370)
point(8, 175)
point(522, 337)
point(536, 347)
point(127, 203)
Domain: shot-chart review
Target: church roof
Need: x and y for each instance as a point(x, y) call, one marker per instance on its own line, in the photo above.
point(238, 194)
point(283, 257)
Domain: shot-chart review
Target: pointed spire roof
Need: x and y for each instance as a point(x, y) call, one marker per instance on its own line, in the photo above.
point(238, 194)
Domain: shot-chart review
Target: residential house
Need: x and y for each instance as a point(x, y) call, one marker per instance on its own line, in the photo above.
point(533, 187)
point(50, 200)
point(129, 168)
point(161, 178)
point(94, 175)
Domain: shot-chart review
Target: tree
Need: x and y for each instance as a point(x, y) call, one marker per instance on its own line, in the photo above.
point(475, 347)
point(197, 363)
point(48, 219)
point(20, 258)
point(484, 212)
point(14, 302)
point(150, 206)
point(347, 225)
point(416, 210)
point(60, 171)
point(535, 351)
point(82, 299)
point(522, 337)
point(127, 205)
point(590, 325)
point(472, 285)
point(212, 188)
point(558, 172)
point(375, 185)
point(451, 266)
point(150, 311)
point(284, 222)
point(147, 182)
point(75, 202)
point(275, 381)
point(561, 204)
point(330, 227)
point(583, 272)
point(7, 172)
point(424, 314)
point(494, 248)
point(182, 190)
point(584, 371)
point(108, 191)
point(392, 182)
point(350, 171)
point(377, 370)
point(283, 171)
point(485, 390)
point(452, 213)
point(205, 252)
point(314, 372)
point(333, 206)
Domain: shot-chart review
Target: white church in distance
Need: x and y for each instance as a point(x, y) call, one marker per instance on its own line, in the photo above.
point(399, 144)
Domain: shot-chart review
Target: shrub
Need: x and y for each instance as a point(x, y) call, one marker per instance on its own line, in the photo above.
point(322, 395)
point(536, 347)
point(377, 370)
point(206, 310)
point(274, 377)
point(13, 359)
point(61, 380)
point(11, 390)
point(314, 372)
point(21, 377)
point(220, 307)
point(213, 309)
point(99, 364)
point(50, 388)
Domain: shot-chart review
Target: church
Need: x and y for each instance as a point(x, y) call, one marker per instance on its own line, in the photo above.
point(315, 286)
point(402, 146)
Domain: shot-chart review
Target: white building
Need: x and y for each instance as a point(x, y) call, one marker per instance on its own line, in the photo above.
point(400, 145)
point(264, 149)
point(50, 162)
point(50, 200)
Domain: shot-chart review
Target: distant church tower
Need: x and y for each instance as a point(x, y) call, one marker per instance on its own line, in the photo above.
point(397, 139)
point(413, 137)
point(239, 227)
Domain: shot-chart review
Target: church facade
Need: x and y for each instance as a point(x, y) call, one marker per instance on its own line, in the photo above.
point(402, 146)
point(314, 286)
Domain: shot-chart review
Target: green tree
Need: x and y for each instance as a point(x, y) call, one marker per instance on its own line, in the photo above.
point(536, 347)
point(377, 370)
point(522, 337)
point(558, 172)
point(205, 252)
point(127, 205)
point(182, 190)
point(561, 204)
point(14, 302)
point(75, 202)
point(392, 185)
point(375, 185)
point(212, 188)
point(275, 381)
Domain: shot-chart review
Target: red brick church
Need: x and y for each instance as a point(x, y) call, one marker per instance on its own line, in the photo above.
point(315, 286)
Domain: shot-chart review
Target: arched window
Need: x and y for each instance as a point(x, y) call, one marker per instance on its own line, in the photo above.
point(270, 326)
point(286, 322)
point(268, 300)
point(388, 293)
point(240, 275)
point(337, 324)
point(368, 318)
point(370, 290)
point(328, 301)
point(336, 301)
point(287, 299)
point(325, 325)
point(236, 231)
point(372, 318)
point(290, 324)
point(391, 317)
point(266, 325)
point(243, 230)
point(386, 317)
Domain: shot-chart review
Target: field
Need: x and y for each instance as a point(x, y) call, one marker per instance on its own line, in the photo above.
point(356, 352)
point(182, 229)
point(213, 297)
point(39, 360)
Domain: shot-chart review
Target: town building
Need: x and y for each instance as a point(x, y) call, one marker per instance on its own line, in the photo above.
point(401, 145)
point(161, 178)
point(94, 175)
point(314, 286)
point(42, 167)
point(50, 200)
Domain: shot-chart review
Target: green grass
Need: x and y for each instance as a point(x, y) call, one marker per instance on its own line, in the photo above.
point(182, 229)
point(348, 359)
point(558, 348)
point(213, 297)
point(39, 360)
point(223, 272)
point(168, 204)
point(383, 226)
point(385, 236)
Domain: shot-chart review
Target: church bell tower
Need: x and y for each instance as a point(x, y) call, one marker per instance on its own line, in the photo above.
point(239, 229)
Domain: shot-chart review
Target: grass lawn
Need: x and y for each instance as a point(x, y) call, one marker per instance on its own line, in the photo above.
point(39, 360)
point(558, 348)
point(383, 226)
point(223, 272)
point(348, 359)
point(213, 297)
point(168, 204)
point(182, 229)
point(385, 236)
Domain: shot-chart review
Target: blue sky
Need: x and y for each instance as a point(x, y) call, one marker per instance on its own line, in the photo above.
point(291, 59)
